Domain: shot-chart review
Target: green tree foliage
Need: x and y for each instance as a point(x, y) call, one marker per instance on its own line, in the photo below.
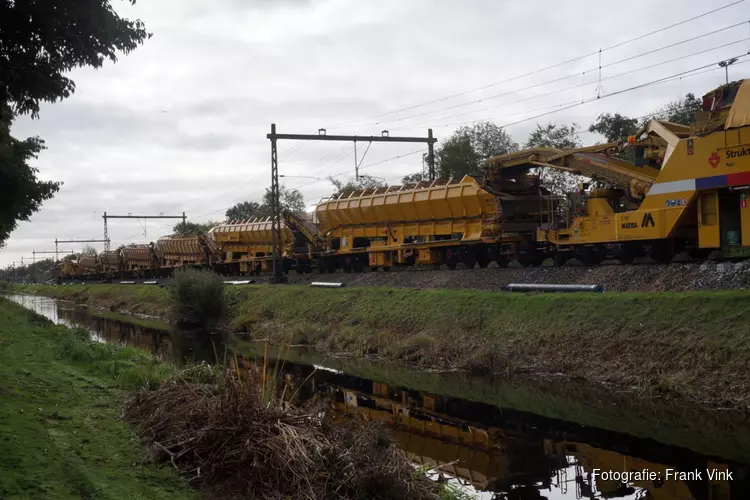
point(186, 229)
point(364, 182)
point(40, 41)
point(680, 111)
point(554, 136)
point(39, 271)
point(292, 200)
point(560, 137)
point(614, 127)
point(414, 178)
point(462, 153)
point(21, 192)
point(244, 210)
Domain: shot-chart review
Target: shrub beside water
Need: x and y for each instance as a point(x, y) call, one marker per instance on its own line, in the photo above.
point(196, 297)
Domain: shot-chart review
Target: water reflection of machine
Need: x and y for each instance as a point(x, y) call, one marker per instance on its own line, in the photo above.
point(490, 450)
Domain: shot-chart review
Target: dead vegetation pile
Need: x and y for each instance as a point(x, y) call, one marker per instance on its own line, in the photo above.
point(232, 444)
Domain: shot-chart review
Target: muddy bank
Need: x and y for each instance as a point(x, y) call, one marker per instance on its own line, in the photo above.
point(688, 345)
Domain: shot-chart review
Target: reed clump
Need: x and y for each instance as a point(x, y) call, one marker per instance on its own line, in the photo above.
point(196, 298)
point(229, 440)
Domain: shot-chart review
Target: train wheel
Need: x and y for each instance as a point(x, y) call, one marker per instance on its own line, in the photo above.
point(560, 258)
point(662, 252)
point(483, 257)
point(469, 258)
point(502, 261)
point(332, 265)
point(357, 266)
point(450, 258)
point(700, 253)
point(626, 258)
point(386, 268)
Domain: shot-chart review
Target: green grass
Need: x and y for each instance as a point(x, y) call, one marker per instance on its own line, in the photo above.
point(138, 299)
point(61, 436)
point(689, 344)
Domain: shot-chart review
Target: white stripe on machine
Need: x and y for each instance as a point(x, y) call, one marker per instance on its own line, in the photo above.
point(673, 187)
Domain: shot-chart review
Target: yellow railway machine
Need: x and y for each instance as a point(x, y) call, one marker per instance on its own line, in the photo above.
point(685, 189)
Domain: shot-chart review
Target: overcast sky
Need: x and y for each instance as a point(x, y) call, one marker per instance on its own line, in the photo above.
point(180, 123)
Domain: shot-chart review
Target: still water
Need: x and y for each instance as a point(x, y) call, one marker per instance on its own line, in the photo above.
point(496, 438)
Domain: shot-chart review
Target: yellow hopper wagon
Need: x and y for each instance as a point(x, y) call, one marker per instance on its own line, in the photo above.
point(187, 251)
point(671, 188)
point(140, 260)
point(110, 262)
point(424, 224)
point(248, 244)
point(88, 264)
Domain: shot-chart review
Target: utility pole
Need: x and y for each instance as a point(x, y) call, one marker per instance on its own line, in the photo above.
point(278, 274)
point(131, 216)
point(725, 65)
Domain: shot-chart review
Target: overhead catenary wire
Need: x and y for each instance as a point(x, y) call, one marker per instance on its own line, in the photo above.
point(562, 78)
point(611, 94)
point(541, 70)
point(558, 91)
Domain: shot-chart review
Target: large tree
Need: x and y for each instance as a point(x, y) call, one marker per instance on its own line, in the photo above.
point(615, 127)
point(41, 41)
point(291, 200)
point(680, 111)
point(462, 153)
point(21, 193)
point(560, 137)
point(245, 210)
point(352, 185)
point(185, 229)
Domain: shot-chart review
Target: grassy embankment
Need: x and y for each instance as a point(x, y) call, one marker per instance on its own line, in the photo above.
point(64, 438)
point(691, 344)
point(59, 416)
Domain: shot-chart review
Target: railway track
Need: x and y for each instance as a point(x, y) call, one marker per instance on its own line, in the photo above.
point(637, 277)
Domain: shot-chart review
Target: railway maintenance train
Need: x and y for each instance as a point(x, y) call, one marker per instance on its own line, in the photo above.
point(668, 189)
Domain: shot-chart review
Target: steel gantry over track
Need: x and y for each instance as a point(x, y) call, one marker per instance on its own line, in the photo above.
point(106, 242)
point(55, 251)
point(278, 274)
point(131, 216)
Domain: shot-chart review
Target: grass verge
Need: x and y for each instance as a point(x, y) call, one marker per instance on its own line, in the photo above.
point(688, 344)
point(59, 416)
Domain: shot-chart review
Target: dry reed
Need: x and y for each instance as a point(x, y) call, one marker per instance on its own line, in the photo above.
point(232, 445)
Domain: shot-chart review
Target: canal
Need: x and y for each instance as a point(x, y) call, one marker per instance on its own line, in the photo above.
point(499, 438)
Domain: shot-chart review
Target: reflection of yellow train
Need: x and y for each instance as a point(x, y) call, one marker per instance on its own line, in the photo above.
point(505, 460)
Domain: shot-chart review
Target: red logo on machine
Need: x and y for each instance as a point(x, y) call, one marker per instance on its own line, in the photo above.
point(714, 159)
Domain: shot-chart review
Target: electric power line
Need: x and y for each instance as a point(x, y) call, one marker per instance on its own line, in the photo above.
point(676, 76)
point(509, 103)
point(567, 77)
point(540, 70)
